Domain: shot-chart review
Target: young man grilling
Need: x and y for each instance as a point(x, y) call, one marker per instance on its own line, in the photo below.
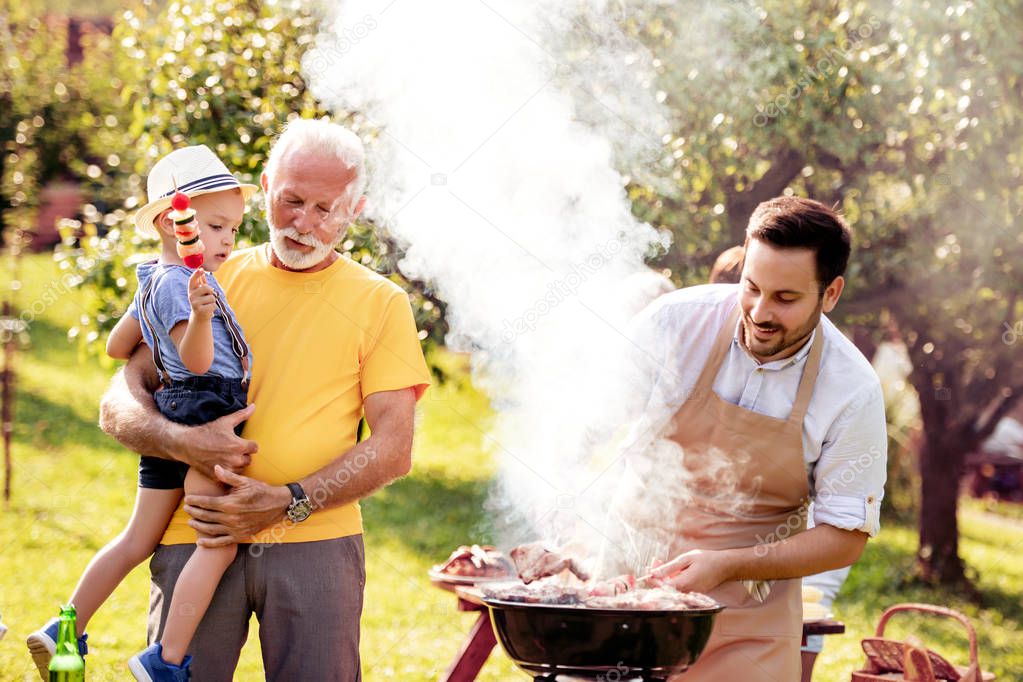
point(769, 406)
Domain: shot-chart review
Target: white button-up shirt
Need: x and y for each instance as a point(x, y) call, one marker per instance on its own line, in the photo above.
point(844, 431)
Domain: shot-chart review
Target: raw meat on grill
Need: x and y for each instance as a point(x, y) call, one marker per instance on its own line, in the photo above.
point(600, 595)
point(542, 592)
point(476, 562)
point(614, 586)
point(656, 599)
point(533, 562)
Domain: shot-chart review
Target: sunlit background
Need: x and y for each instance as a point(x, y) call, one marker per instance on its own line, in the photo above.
point(593, 149)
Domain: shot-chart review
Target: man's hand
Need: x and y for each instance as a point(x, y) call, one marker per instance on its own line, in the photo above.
point(821, 548)
point(247, 508)
point(215, 443)
point(698, 570)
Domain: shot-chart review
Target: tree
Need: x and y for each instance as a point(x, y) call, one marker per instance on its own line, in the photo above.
point(40, 140)
point(227, 74)
point(909, 118)
point(31, 87)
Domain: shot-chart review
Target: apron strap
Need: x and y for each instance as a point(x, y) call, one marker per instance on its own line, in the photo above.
point(809, 378)
point(719, 351)
point(705, 384)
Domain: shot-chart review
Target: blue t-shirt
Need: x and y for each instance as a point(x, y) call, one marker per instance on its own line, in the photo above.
point(168, 305)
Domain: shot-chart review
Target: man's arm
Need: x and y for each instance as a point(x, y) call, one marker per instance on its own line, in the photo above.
point(251, 505)
point(128, 413)
point(819, 549)
point(380, 459)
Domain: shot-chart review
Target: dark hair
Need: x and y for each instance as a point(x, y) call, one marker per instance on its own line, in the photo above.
point(728, 267)
point(795, 222)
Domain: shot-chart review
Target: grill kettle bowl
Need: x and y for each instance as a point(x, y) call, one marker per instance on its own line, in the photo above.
point(547, 640)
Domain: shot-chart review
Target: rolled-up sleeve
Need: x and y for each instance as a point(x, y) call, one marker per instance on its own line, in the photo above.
point(850, 474)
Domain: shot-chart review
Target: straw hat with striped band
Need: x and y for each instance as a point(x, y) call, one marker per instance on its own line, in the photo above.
point(192, 170)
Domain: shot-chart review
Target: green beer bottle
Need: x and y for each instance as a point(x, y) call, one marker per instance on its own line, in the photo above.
point(67, 665)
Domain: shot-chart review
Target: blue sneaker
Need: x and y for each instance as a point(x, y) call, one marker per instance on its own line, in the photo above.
point(148, 666)
point(43, 643)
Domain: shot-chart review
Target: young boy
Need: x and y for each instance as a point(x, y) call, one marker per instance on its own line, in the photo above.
point(204, 366)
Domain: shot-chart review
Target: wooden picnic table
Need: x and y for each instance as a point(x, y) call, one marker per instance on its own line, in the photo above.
point(480, 640)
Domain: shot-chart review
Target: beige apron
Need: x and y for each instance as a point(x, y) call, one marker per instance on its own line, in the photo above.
point(751, 640)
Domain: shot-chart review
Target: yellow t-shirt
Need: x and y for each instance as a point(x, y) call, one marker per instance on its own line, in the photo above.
point(321, 342)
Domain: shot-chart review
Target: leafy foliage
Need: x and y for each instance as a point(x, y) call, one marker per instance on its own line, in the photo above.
point(908, 116)
point(223, 73)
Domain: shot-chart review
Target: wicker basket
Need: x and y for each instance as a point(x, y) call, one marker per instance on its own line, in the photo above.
point(888, 659)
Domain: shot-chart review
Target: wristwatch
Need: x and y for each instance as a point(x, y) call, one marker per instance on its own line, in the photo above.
point(300, 507)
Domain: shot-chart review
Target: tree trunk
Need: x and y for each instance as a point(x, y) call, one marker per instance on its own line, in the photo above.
point(946, 441)
point(7, 394)
point(863, 339)
point(941, 462)
point(785, 166)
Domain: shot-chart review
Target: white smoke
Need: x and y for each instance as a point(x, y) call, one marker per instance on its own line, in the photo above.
point(498, 133)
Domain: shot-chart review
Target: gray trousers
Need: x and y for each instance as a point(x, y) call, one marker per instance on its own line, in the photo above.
point(307, 597)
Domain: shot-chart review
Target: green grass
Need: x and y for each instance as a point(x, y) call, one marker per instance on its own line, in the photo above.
point(73, 489)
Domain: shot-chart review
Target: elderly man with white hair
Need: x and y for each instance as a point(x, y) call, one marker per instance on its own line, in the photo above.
point(332, 342)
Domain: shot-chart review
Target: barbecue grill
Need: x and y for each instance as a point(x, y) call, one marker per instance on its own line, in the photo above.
point(547, 640)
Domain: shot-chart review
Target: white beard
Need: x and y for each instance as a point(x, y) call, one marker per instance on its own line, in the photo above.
point(299, 260)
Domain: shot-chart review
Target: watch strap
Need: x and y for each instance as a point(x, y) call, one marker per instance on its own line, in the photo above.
point(297, 493)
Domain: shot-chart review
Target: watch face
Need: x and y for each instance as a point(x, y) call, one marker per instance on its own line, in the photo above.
point(300, 510)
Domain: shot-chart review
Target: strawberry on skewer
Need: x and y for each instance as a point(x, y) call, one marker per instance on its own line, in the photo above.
point(186, 230)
